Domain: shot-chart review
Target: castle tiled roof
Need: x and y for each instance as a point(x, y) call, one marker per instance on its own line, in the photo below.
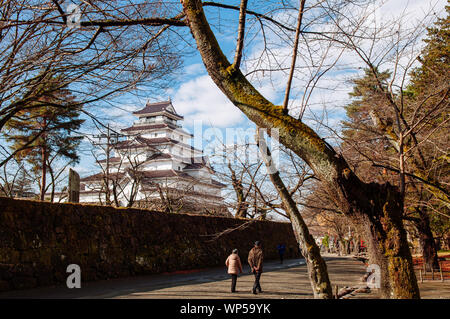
point(140, 141)
point(158, 126)
point(194, 163)
point(161, 173)
point(111, 160)
point(217, 183)
point(99, 176)
point(194, 166)
point(157, 107)
point(150, 142)
point(149, 174)
point(149, 127)
point(158, 156)
point(174, 173)
point(184, 192)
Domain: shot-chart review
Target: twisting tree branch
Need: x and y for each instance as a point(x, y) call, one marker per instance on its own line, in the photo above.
point(60, 10)
point(227, 231)
point(241, 32)
point(294, 56)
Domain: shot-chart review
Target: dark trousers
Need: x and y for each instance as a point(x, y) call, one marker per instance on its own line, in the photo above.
point(256, 285)
point(281, 257)
point(233, 283)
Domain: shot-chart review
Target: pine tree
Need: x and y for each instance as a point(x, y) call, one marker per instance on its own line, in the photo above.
point(434, 61)
point(430, 83)
point(16, 182)
point(360, 135)
point(426, 95)
point(45, 129)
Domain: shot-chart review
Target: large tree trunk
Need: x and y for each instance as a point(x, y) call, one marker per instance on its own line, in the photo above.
point(317, 268)
point(379, 212)
point(377, 206)
point(426, 240)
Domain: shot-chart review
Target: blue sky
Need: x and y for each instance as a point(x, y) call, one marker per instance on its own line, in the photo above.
point(195, 96)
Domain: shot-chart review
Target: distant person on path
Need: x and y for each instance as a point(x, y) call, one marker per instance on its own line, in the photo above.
point(255, 260)
point(326, 243)
point(281, 249)
point(234, 265)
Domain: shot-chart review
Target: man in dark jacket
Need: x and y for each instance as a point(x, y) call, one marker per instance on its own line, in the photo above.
point(255, 260)
point(281, 249)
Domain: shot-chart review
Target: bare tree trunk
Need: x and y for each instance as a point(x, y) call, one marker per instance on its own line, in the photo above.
point(242, 205)
point(43, 172)
point(241, 209)
point(114, 192)
point(387, 243)
point(294, 56)
point(317, 268)
point(52, 176)
point(426, 240)
point(378, 206)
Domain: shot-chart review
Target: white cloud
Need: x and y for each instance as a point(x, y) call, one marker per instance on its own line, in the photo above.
point(412, 11)
point(199, 99)
point(194, 69)
point(332, 89)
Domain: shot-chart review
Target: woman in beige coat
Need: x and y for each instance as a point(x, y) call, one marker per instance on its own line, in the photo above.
point(234, 265)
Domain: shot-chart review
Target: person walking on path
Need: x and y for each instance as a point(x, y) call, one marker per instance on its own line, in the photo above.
point(255, 260)
point(281, 249)
point(234, 265)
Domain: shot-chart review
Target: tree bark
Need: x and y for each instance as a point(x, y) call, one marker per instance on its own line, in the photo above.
point(43, 172)
point(426, 240)
point(52, 176)
point(317, 268)
point(242, 205)
point(44, 163)
point(377, 206)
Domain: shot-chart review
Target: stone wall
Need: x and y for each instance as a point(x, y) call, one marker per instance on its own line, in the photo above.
point(38, 240)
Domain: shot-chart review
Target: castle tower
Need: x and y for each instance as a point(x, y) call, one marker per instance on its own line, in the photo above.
point(157, 160)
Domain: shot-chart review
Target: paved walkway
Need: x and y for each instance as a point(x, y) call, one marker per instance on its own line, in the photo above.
point(279, 281)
